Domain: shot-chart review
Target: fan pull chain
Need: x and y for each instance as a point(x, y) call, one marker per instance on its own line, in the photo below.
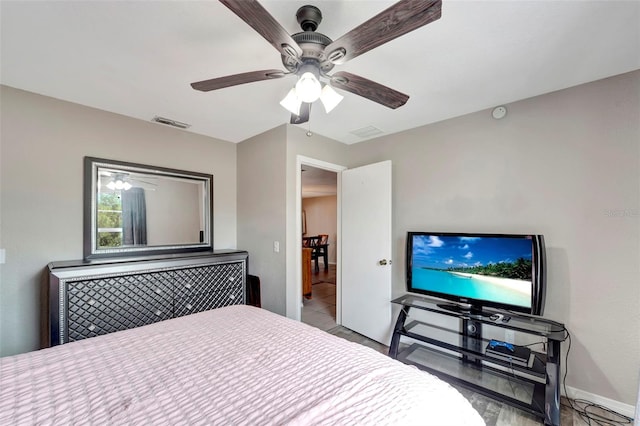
point(309, 132)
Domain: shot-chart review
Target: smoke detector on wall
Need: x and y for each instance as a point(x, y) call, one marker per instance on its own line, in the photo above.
point(499, 112)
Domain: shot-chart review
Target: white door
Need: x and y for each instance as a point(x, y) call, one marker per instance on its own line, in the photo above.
point(366, 251)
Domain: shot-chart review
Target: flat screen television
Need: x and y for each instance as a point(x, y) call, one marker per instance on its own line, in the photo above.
point(504, 271)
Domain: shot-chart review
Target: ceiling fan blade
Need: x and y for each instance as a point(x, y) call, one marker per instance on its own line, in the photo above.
point(399, 19)
point(144, 181)
point(251, 12)
point(371, 90)
point(305, 110)
point(234, 80)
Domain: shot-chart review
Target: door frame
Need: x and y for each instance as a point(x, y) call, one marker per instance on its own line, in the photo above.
point(301, 160)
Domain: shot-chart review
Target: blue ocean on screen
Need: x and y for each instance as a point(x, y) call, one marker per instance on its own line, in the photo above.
point(486, 268)
point(470, 287)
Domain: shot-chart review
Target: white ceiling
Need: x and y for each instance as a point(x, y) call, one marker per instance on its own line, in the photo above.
point(137, 58)
point(318, 182)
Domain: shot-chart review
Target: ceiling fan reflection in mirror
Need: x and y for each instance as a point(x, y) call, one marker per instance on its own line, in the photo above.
point(121, 180)
point(310, 55)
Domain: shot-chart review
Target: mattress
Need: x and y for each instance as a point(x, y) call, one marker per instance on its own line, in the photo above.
point(230, 366)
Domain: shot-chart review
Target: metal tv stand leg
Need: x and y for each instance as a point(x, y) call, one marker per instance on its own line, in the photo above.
point(552, 388)
point(395, 340)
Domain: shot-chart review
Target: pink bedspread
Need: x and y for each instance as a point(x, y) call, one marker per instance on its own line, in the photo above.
point(234, 365)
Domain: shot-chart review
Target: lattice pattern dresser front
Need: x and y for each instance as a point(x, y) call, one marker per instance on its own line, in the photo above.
point(91, 299)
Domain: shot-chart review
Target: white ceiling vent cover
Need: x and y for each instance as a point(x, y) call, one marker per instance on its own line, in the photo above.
point(367, 132)
point(170, 122)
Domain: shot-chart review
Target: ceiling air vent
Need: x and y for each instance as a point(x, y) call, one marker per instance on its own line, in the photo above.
point(367, 132)
point(170, 122)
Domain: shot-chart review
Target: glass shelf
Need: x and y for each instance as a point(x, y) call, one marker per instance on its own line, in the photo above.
point(451, 341)
point(503, 385)
point(516, 321)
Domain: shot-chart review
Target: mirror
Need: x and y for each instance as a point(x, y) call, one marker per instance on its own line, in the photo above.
point(133, 209)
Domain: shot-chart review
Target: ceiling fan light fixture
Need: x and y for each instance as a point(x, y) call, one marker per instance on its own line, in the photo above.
point(308, 87)
point(330, 98)
point(291, 102)
point(119, 182)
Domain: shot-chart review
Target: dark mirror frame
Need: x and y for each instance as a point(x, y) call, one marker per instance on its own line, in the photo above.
point(90, 246)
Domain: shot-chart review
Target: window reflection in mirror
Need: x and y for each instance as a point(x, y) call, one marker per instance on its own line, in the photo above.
point(138, 208)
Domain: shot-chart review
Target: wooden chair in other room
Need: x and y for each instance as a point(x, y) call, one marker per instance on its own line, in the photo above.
point(310, 242)
point(321, 250)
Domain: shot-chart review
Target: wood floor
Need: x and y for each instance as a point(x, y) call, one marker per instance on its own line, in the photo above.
point(320, 312)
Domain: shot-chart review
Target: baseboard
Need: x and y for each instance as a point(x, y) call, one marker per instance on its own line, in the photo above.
point(617, 406)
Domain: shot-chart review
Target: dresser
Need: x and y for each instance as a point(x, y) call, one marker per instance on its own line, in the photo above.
point(306, 272)
point(90, 298)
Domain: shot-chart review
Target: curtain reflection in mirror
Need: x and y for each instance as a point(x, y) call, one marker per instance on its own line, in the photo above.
point(134, 217)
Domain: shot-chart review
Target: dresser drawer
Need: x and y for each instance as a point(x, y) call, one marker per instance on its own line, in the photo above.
point(198, 302)
point(205, 279)
point(104, 305)
point(208, 287)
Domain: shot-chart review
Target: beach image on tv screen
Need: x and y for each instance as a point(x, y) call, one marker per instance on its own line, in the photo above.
point(496, 269)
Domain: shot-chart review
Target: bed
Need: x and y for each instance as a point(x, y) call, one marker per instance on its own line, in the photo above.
point(234, 365)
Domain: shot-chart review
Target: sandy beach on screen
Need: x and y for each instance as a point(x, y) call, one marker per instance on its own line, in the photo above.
point(521, 286)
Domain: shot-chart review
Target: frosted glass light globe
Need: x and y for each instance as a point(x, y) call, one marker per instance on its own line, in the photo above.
point(308, 88)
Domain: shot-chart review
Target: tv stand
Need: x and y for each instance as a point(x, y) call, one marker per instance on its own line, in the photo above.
point(458, 354)
point(471, 310)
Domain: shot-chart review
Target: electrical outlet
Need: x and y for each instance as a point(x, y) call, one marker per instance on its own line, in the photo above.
point(509, 336)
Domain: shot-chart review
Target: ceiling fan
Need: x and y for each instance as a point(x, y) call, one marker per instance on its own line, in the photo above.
point(311, 55)
point(118, 179)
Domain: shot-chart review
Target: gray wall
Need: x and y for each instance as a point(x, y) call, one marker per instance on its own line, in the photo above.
point(165, 206)
point(261, 212)
point(266, 206)
point(565, 165)
point(43, 142)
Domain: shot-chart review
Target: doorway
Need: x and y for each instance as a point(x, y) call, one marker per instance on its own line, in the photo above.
point(363, 248)
point(319, 189)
